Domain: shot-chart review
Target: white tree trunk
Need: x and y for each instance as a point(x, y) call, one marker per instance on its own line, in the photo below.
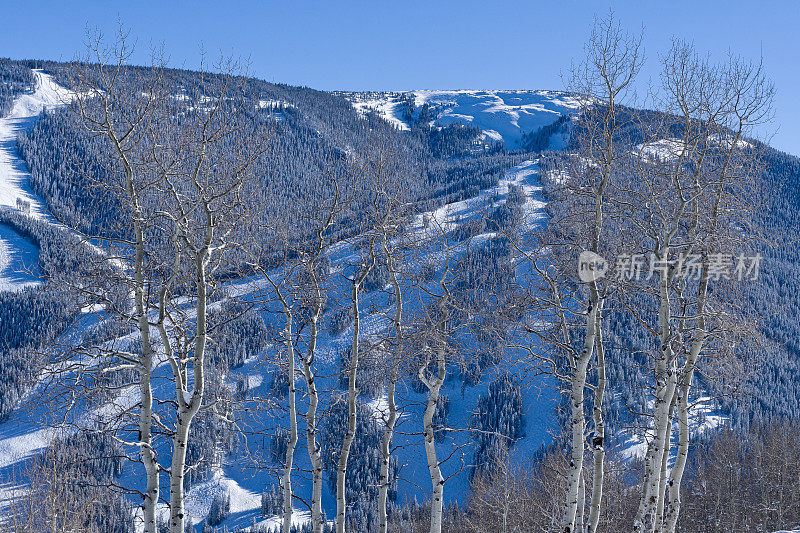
point(352, 397)
point(598, 437)
point(146, 450)
point(146, 447)
point(682, 407)
point(665, 389)
point(314, 448)
point(676, 474)
point(437, 480)
point(581, 503)
point(177, 472)
point(662, 483)
point(390, 420)
point(577, 417)
point(286, 480)
point(189, 404)
point(386, 455)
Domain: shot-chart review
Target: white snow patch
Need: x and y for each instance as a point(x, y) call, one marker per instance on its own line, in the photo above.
point(254, 381)
point(704, 415)
point(662, 150)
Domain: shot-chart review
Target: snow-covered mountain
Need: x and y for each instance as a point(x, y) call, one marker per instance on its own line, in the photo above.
point(18, 255)
point(502, 115)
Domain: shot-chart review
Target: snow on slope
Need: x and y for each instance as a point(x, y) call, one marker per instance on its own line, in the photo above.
point(502, 115)
point(18, 256)
point(14, 176)
point(18, 260)
point(705, 414)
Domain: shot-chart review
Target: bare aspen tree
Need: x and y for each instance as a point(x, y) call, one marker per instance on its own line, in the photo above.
point(748, 95)
point(298, 285)
point(697, 190)
point(390, 196)
point(104, 108)
point(362, 271)
point(321, 217)
point(603, 82)
point(433, 381)
point(395, 362)
point(389, 418)
point(185, 178)
point(379, 185)
point(316, 297)
point(284, 291)
point(436, 348)
point(206, 170)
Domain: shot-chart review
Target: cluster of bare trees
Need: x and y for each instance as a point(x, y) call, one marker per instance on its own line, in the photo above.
point(181, 172)
point(372, 193)
point(658, 207)
point(182, 177)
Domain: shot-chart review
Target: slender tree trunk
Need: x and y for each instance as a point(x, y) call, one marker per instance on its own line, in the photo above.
point(352, 397)
point(386, 455)
point(682, 406)
point(577, 417)
point(676, 473)
point(146, 449)
point(286, 480)
point(189, 404)
point(314, 448)
point(598, 437)
point(657, 449)
point(581, 502)
point(662, 483)
point(146, 446)
point(177, 473)
point(437, 480)
point(391, 420)
point(665, 376)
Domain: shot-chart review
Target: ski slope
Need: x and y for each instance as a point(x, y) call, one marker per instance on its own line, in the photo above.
point(18, 255)
point(503, 116)
point(14, 175)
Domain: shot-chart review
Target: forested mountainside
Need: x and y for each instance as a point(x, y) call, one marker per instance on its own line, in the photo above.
point(312, 129)
point(461, 210)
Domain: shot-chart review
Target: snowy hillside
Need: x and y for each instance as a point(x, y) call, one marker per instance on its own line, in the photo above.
point(18, 256)
point(502, 115)
point(13, 173)
point(22, 436)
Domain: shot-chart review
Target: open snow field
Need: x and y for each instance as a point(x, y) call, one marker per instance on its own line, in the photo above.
point(501, 115)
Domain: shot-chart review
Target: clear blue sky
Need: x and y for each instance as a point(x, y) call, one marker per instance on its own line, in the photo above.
point(410, 45)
